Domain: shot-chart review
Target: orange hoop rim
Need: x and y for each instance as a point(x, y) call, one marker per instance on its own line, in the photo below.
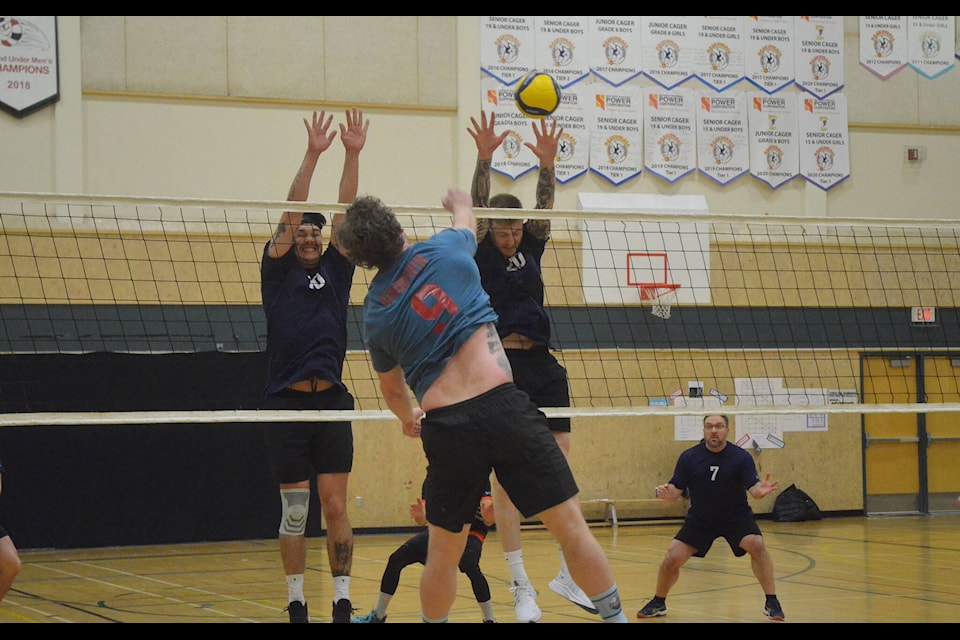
point(652, 291)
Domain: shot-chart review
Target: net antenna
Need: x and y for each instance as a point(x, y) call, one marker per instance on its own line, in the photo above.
point(650, 273)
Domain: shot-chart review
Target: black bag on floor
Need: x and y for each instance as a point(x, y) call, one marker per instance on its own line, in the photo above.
point(794, 505)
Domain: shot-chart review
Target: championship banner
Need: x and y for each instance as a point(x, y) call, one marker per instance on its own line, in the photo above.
point(616, 132)
point(507, 46)
point(29, 64)
point(883, 44)
point(723, 154)
point(824, 151)
point(562, 48)
point(768, 51)
point(718, 55)
point(931, 42)
point(667, 49)
point(615, 48)
point(573, 148)
point(819, 54)
point(774, 149)
point(669, 132)
point(512, 158)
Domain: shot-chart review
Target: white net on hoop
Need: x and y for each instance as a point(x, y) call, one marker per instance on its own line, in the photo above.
point(663, 299)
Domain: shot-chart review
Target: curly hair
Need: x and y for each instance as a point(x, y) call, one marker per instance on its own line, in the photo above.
point(370, 234)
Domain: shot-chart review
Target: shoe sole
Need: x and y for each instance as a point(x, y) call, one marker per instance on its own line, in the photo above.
point(658, 614)
point(562, 591)
point(774, 618)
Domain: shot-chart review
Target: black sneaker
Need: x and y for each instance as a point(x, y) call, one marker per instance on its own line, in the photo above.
point(342, 610)
point(774, 611)
point(652, 610)
point(297, 611)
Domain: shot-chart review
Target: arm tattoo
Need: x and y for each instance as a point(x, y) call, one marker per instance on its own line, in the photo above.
point(293, 185)
point(281, 228)
point(539, 229)
point(483, 226)
point(546, 187)
point(480, 188)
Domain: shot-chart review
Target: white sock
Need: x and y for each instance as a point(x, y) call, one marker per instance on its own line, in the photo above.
point(515, 564)
point(295, 588)
point(563, 564)
point(383, 601)
point(341, 588)
point(486, 609)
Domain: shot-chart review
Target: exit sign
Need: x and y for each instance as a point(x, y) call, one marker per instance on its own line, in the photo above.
point(923, 315)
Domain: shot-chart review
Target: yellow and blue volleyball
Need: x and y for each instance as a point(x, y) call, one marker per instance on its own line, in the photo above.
point(537, 94)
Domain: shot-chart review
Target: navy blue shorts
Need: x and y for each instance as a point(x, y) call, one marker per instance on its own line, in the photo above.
point(538, 372)
point(301, 450)
point(500, 430)
point(701, 538)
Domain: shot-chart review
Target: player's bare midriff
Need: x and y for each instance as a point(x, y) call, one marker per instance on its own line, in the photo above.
point(474, 370)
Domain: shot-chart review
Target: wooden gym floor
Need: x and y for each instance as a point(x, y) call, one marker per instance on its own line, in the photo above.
point(838, 570)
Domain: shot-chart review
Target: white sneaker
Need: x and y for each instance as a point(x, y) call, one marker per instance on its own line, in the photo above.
point(564, 585)
point(525, 602)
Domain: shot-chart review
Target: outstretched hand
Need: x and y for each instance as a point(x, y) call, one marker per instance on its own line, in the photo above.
point(765, 487)
point(485, 137)
point(456, 199)
point(319, 136)
point(547, 142)
point(353, 135)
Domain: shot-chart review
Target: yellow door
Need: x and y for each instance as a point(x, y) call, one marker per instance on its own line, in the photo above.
point(941, 381)
point(892, 454)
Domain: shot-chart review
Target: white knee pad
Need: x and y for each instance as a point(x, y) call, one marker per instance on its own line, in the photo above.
point(296, 504)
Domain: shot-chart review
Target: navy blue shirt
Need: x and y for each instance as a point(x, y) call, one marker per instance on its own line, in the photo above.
point(423, 307)
point(306, 311)
point(515, 286)
point(716, 483)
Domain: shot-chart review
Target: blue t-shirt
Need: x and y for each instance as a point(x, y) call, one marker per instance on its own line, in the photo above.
point(306, 311)
point(515, 286)
point(717, 483)
point(420, 310)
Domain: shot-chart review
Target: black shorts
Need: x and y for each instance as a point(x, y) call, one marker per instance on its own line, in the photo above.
point(538, 372)
point(701, 538)
point(3, 532)
point(301, 450)
point(500, 430)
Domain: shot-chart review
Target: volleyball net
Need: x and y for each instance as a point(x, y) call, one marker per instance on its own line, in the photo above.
point(653, 312)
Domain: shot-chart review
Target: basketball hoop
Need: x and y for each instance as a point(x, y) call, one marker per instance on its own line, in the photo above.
point(650, 273)
point(662, 295)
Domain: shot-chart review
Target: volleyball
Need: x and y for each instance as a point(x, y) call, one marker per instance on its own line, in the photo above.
point(537, 94)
